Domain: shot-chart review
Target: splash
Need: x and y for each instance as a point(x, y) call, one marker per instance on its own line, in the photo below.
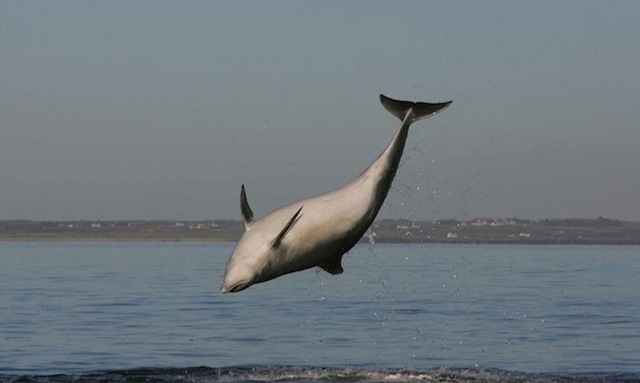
point(301, 374)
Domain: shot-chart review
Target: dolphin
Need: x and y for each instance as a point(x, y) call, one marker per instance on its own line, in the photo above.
point(319, 230)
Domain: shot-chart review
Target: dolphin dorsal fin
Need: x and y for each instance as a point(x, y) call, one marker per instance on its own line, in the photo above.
point(247, 214)
point(276, 242)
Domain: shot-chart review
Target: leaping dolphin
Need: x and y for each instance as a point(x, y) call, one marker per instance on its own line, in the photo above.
point(318, 231)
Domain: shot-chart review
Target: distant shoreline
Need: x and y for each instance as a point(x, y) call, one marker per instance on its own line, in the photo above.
point(599, 231)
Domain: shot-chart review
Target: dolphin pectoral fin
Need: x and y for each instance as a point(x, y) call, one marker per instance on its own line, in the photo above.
point(418, 110)
point(276, 242)
point(334, 266)
point(247, 214)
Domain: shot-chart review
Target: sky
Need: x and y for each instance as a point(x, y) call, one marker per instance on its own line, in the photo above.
point(163, 109)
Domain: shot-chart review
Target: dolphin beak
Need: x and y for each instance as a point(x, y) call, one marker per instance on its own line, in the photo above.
point(239, 286)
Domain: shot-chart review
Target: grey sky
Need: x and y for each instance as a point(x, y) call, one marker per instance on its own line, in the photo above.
point(161, 110)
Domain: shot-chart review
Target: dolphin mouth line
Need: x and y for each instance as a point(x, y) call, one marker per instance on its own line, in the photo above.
point(239, 286)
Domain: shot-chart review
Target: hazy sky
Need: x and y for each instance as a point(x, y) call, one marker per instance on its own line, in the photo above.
point(162, 109)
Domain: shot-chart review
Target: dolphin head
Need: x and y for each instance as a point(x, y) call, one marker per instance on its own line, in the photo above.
point(252, 259)
point(245, 265)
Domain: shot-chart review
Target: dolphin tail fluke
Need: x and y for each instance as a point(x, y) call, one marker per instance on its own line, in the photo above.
point(412, 111)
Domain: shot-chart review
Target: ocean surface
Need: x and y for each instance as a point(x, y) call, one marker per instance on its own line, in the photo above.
point(133, 312)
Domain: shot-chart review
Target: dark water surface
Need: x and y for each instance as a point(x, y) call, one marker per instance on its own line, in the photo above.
point(115, 312)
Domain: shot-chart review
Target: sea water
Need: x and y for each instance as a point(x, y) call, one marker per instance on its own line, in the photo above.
point(135, 311)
